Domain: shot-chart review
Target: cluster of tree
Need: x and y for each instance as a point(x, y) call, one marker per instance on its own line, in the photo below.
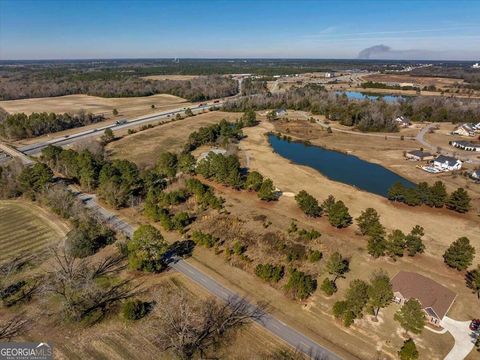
point(21, 126)
point(433, 196)
point(77, 286)
point(264, 187)
point(204, 239)
point(373, 296)
point(336, 211)
point(190, 327)
point(197, 89)
point(222, 169)
point(366, 115)
point(146, 249)
point(219, 133)
point(117, 181)
point(303, 234)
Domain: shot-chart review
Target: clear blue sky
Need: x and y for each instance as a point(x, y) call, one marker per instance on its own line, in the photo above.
point(73, 29)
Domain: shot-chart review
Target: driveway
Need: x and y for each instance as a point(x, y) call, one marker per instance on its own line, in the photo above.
point(464, 340)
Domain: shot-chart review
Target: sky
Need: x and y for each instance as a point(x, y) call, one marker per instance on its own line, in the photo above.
point(71, 29)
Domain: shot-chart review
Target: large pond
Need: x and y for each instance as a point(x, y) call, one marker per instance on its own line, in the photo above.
point(357, 95)
point(340, 167)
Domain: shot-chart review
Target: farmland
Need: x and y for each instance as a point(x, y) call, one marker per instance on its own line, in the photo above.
point(26, 228)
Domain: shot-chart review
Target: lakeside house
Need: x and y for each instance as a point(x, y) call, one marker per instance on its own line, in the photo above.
point(465, 145)
point(435, 299)
point(280, 112)
point(419, 155)
point(467, 129)
point(447, 163)
point(403, 122)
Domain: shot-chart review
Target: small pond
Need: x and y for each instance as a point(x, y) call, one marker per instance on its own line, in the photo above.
point(357, 95)
point(338, 166)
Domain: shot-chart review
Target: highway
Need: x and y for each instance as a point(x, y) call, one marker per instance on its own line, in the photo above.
point(295, 339)
point(66, 140)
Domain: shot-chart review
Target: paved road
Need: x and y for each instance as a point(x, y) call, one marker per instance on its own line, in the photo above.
point(464, 338)
point(294, 338)
point(62, 141)
point(420, 137)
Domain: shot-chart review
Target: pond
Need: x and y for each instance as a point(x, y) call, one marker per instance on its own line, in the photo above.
point(357, 95)
point(338, 166)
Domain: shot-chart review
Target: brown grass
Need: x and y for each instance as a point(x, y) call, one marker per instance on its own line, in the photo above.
point(97, 105)
point(170, 77)
point(416, 80)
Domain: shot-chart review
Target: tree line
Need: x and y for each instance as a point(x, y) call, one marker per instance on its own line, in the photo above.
point(121, 85)
point(433, 196)
point(21, 126)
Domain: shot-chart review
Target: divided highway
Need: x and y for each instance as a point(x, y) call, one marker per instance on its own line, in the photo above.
point(66, 140)
point(292, 337)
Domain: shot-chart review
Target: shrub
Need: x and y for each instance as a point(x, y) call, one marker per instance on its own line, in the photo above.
point(300, 285)
point(269, 272)
point(315, 255)
point(328, 287)
point(135, 309)
point(204, 239)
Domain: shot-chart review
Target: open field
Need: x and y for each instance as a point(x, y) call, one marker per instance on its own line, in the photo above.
point(144, 147)
point(169, 77)
point(416, 80)
point(25, 227)
point(98, 105)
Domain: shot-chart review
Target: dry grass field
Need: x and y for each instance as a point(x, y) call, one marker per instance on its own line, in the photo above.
point(97, 105)
point(416, 80)
point(143, 147)
point(27, 228)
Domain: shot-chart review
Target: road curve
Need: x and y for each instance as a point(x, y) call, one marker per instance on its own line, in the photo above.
point(291, 336)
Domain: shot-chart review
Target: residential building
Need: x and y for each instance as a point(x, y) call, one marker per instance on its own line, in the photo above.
point(467, 129)
point(447, 163)
point(465, 145)
point(435, 299)
point(419, 155)
point(402, 121)
point(280, 112)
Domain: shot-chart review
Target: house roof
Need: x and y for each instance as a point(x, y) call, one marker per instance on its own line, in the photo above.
point(428, 292)
point(446, 159)
point(420, 153)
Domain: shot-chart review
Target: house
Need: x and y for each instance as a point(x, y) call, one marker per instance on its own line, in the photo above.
point(475, 174)
point(419, 155)
point(447, 163)
point(280, 112)
point(465, 145)
point(403, 122)
point(476, 66)
point(329, 75)
point(467, 129)
point(435, 299)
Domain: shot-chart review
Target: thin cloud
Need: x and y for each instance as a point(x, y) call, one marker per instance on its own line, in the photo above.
point(322, 34)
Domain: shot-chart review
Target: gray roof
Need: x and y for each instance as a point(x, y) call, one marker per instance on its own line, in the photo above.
point(420, 153)
point(446, 159)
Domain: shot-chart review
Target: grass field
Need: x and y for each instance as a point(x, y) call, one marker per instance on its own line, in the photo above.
point(97, 105)
point(25, 228)
point(143, 147)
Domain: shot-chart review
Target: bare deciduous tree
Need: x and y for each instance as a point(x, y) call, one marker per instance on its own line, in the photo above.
point(10, 328)
point(188, 326)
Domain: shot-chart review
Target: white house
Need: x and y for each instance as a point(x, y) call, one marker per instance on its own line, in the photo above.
point(476, 66)
point(402, 121)
point(466, 129)
point(447, 163)
point(329, 75)
point(466, 145)
point(280, 112)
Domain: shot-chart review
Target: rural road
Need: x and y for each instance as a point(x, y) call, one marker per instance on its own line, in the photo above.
point(420, 138)
point(294, 338)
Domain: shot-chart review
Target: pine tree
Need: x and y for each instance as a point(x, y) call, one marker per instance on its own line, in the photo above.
point(367, 220)
point(459, 201)
point(473, 280)
point(376, 245)
point(380, 291)
point(267, 191)
point(413, 241)
point(408, 351)
point(338, 215)
point(411, 316)
point(460, 254)
point(395, 244)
